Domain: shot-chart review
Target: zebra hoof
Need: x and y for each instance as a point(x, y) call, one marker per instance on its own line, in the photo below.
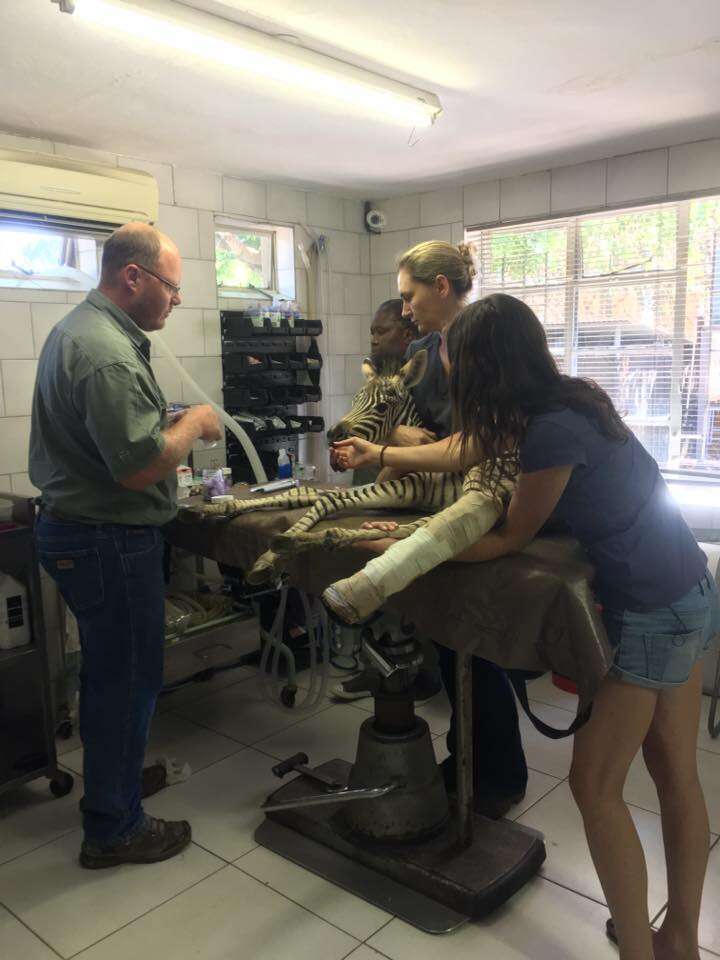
point(283, 543)
point(339, 606)
point(260, 573)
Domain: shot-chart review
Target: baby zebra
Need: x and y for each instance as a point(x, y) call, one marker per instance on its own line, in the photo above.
point(463, 508)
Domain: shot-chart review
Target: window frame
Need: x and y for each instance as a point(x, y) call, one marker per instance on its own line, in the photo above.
point(283, 287)
point(10, 222)
point(573, 282)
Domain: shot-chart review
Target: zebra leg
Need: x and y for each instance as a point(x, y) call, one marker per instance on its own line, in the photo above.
point(268, 564)
point(335, 538)
point(445, 535)
point(287, 500)
point(411, 490)
point(265, 568)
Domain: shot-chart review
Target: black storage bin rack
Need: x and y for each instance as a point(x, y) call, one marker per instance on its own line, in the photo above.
point(271, 366)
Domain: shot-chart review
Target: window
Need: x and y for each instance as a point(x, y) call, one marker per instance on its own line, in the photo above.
point(254, 261)
point(631, 299)
point(244, 258)
point(47, 258)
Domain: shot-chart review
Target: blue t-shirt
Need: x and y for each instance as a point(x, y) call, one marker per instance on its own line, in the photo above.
point(617, 504)
point(432, 394)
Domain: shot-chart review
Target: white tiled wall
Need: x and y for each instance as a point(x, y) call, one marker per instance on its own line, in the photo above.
point(663, 174)
point(189, 201)
point(361, 270)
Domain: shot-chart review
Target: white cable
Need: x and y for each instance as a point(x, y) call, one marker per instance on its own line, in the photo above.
point(232, 425)
point(271, 684)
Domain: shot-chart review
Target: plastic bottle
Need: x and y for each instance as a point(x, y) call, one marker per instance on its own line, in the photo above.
point(284, 465)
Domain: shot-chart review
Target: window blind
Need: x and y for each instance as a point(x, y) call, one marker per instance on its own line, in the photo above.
point(631, 299)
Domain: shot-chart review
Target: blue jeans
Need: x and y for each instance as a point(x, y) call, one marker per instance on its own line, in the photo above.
point(659, 649)
point(111, 577)
point(499, 765)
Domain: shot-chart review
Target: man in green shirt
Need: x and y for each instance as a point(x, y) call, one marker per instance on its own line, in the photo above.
point(103, 453)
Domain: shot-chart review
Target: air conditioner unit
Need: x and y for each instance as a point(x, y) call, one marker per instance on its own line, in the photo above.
point(54, 190)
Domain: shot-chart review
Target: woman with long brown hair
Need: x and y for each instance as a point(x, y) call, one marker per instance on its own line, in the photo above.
point(577, 460)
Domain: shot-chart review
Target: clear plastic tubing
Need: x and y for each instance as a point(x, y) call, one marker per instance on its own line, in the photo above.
point(232, 425)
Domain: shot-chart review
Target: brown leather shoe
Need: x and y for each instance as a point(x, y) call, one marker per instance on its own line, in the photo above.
point(154, 779)
point(156, 840)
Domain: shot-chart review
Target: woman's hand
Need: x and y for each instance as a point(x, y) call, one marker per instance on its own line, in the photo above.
point(380, 525)
point(377, 546)
point(354, 453)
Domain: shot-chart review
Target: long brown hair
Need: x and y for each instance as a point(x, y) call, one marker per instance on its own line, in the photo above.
point(502, 373)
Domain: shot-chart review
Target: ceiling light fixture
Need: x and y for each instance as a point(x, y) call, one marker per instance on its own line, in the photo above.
point(199, 34)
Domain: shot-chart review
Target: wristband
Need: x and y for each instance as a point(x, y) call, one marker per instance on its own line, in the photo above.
point(382, 455)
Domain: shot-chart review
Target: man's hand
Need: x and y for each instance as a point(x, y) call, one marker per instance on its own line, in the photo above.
point(404, 436)
point(206, 422)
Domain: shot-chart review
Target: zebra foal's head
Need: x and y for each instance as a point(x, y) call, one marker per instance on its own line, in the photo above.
point(384, 402)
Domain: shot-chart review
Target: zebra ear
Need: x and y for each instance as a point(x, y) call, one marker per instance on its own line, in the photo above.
point(368, 368)
point(414, 370)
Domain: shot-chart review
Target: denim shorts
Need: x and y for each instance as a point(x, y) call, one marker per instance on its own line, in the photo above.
point(659, 649)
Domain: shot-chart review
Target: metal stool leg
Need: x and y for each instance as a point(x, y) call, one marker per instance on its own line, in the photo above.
point(713, 726)
point(463, 746)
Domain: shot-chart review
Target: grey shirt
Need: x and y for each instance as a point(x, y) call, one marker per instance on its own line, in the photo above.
point(432, 394)
point(98, 415)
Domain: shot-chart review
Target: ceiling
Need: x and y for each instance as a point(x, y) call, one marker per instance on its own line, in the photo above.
point(524, 85)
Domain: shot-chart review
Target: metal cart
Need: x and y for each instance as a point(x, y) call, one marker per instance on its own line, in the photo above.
point(27, 728)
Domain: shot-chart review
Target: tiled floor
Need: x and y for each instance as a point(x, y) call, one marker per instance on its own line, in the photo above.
point(225, 897)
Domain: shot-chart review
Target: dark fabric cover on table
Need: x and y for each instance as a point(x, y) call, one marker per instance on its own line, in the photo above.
point(531, 611)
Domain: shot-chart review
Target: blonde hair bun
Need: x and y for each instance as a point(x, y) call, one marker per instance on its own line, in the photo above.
point(432, 258)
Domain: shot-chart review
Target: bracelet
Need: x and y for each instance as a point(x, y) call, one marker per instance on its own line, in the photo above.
point(382, 454)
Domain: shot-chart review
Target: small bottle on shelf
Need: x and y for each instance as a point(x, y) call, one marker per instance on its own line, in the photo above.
point(284, 465)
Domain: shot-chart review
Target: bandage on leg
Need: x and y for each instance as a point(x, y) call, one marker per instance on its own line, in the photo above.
point(444, 536)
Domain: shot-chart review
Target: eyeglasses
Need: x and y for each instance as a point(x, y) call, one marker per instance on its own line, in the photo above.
point(173, 287)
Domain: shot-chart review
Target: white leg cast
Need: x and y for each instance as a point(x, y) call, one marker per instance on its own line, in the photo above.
point(444, 536)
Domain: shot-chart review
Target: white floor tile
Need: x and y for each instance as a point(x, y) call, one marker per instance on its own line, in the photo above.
point(440, 747)
point(640, 789)
point(544, 691)
point(72, 743)
point(241, 712)
point(542, 753)
point(17, 941)
point(539, 785)
point(197, 689)
point(568, 858)
point(222, 802)
point(436, 712)
point(709, 914)
point(71, 908)
point(364, 952)
point(31, 816)
point(329, 734)
point(346, 911)
point(541, 922)
point(179, 739)
point(226, 917)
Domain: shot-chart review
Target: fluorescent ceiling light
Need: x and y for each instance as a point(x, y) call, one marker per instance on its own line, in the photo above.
point(167, 24)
